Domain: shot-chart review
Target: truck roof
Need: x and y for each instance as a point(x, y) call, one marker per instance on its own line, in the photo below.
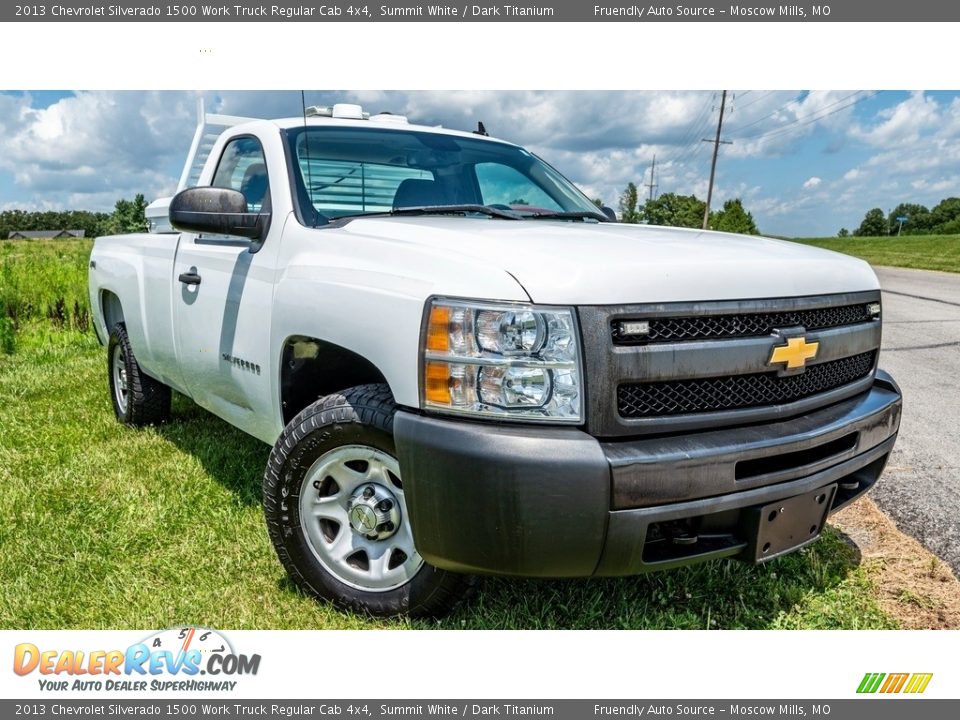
point(382, 120)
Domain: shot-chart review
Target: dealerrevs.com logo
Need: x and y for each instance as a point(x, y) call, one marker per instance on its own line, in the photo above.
point(178, 659)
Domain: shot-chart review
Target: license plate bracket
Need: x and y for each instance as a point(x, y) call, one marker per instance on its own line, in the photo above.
point(787, 525)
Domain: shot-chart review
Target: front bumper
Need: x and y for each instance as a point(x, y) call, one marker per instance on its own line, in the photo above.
point(556, 502)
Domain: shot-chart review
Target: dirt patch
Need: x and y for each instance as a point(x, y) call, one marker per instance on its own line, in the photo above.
point(916, 587)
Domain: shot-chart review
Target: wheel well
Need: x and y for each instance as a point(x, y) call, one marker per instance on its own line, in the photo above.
point(112, 309)
point(312, 368)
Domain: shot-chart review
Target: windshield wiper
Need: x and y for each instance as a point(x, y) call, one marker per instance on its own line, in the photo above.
point(440, 210)
point(455, 210)
point(574, 215)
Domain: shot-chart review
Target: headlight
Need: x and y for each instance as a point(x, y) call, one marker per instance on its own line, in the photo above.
point(502, 360)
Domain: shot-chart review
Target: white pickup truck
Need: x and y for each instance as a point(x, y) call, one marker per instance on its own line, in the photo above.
point(465, 367)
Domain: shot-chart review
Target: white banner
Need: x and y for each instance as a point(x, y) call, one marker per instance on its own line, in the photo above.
point(459, 664)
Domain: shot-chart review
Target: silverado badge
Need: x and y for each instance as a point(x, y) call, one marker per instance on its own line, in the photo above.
point(795, 353)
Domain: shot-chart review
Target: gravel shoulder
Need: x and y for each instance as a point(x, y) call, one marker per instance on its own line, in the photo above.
point(913, 585)
point(921, 349)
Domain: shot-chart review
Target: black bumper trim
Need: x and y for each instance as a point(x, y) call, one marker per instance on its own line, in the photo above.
point(501, 499)
point(538, 501)
point(628, 530)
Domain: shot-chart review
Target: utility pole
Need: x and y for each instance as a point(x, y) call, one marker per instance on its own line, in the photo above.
point(653, 169)
point(717, 142)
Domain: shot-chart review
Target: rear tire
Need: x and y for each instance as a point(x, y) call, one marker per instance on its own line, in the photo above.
point(138, 399)
point(336, 514)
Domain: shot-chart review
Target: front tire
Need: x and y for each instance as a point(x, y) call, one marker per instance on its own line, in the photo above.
point(138, 399)
point(336, 515)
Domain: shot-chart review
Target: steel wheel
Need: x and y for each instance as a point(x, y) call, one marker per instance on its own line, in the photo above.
point(354, 517)
point(121, 388)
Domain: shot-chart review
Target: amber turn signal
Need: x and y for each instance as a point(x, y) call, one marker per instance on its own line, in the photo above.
point(438, 329)
point(437, 385)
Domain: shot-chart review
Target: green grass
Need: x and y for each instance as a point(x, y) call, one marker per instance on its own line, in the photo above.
point(42, 279)
point(923, 252)
point(102, 526)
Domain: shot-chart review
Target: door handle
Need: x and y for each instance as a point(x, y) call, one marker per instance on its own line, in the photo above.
point(189, 278)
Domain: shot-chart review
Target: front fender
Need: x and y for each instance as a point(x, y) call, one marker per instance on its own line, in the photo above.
point(367, 295)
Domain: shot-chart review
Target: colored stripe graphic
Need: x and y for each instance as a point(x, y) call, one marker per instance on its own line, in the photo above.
point(918, 683)
point(894, 683)
point(870, 682)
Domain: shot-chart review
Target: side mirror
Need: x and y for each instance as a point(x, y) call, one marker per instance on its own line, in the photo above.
point(609, 212)
point(219, 211)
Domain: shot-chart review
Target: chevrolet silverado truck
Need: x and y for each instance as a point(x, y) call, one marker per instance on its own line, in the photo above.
point(465, 367)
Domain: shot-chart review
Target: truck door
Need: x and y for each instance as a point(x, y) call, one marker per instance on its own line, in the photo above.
point(223, 302)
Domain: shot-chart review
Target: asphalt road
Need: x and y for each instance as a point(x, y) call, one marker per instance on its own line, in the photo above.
point(921, 349)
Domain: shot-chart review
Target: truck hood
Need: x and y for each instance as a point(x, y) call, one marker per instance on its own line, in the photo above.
point(575, 263)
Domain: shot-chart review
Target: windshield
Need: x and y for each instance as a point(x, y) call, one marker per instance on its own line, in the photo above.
point(357, 171)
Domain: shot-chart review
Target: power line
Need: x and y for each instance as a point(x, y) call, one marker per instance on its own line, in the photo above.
point(798, 119)
point(691, 145)
point(734, 100)
point(816, 117)
point(768, 115)
point(691, 152)
point(693, 149)
point(810, 117)
point(761, 96)
point(697, 126)
point(700, 117)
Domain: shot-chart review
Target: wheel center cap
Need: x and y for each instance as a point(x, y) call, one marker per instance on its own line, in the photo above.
point(374, 512)
point(363, 519)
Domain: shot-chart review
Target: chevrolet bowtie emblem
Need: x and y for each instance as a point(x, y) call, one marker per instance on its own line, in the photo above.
point(795, 353)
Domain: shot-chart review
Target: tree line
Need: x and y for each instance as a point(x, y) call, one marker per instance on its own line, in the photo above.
point(128, 216)
point(677, 210)
point(942, 219)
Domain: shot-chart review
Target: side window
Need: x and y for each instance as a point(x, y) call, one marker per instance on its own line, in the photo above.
point(503, 185)
point(243, 167)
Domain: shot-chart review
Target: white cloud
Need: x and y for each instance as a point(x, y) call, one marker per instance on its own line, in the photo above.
point(916, 156)
point(912, 155)
point(97, 145)
point(90, 149)
point(774, 127)
point(902, 123)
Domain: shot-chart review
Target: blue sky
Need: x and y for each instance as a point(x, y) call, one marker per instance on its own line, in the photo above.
point(804, 162)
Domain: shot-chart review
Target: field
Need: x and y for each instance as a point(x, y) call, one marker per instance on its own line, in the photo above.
point(923, 252)
point(102, 526)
